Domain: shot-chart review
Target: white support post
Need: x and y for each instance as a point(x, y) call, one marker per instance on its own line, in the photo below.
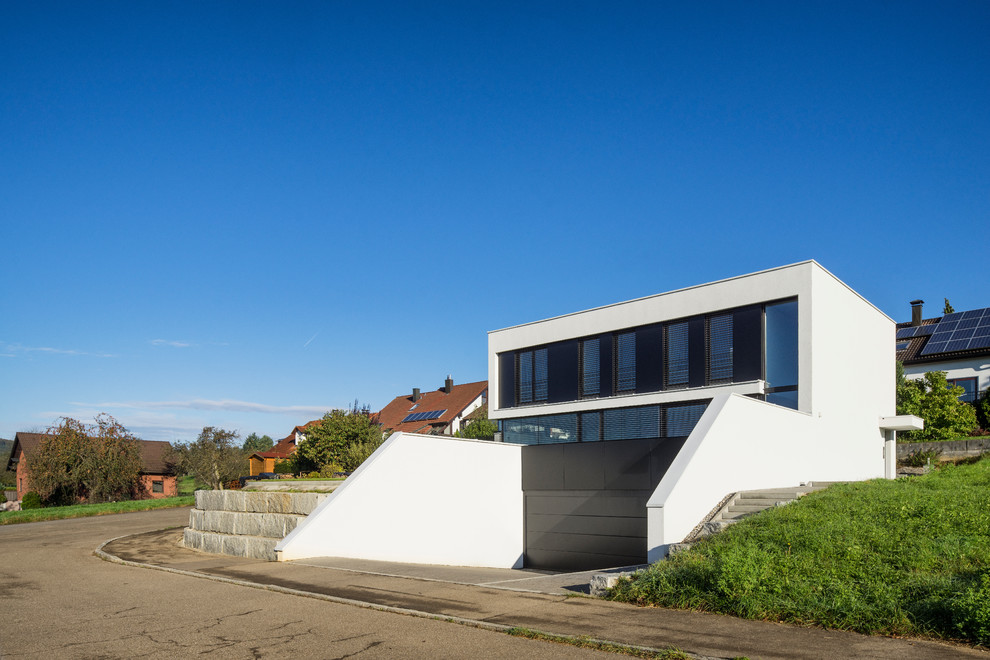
point(890, 454)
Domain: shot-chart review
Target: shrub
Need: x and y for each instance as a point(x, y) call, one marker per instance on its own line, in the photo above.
point(284, 467)
point(31, 500)
point(935, 401)
point(3, 496)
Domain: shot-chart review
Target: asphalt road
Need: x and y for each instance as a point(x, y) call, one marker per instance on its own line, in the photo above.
point(58, 600)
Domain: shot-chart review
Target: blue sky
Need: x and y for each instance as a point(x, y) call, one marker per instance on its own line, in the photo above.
point(242, 214)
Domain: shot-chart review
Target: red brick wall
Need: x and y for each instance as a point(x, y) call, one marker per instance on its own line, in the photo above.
point(170, 486)
point(22, 477)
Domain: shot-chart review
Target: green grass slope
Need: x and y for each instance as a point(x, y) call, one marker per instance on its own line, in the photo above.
point(910, 556)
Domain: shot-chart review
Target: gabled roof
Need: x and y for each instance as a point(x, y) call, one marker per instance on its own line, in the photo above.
point(152, 452)
point(955, 336)
point(448, 405)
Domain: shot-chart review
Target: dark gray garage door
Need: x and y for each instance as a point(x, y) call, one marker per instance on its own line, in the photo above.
point(586, 502)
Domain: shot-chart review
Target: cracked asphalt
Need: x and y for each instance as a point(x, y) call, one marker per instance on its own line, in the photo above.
point(59, 600)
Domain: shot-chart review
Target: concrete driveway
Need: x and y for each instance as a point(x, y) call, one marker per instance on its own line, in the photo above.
point(61, 601)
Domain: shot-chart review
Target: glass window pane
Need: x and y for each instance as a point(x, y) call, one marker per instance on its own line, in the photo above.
point(720, 349)
point(677, 355)
point(785, 399)
point(559, 428)
point(632, 423)
point(526, 377)
point(782, 344)
point(625, 362)
point(590, 366)
point(540, 374)
point(682, 419)
point(591, 424)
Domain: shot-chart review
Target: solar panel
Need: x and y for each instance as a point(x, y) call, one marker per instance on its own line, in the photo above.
point(960, 331)
point(423, 416)
point(924, 330)
point(905, 333)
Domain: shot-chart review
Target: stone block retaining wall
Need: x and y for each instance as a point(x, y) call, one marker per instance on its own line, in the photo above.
point(951, 449)
point(246, 524)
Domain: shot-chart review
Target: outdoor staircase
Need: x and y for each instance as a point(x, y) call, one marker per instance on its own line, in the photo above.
point(745, 503)
point(245, 523)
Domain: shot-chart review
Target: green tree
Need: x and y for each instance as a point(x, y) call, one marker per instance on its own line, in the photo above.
point(253, 443)
point(935, 401)
point(480, 428)
point(947, 308)
point(78, 462)
point(214, 458)
point(329, 443)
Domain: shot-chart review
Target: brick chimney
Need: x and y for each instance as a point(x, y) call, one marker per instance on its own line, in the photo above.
point(448, 384)
point(916, 311)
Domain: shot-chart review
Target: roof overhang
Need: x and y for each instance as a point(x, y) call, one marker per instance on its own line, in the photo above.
point(902, 423)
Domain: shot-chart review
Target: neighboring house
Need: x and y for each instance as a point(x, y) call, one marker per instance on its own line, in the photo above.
point(957, 343)
point(622, 427)
point(156, 477)
point(265, 461)
point(440, 412)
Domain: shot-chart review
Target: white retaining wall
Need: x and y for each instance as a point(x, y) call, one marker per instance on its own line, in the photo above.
point(422, 499)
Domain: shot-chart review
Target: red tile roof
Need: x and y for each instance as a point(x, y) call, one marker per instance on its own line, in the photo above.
point(391, 416)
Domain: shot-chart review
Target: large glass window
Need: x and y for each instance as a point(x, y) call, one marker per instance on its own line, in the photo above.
point(625, 362)
point(781, 351)
point(676, 373)
point(639, 423)
point(720, 349)
point(590, 367)
point(532, 370)
point(543, 430)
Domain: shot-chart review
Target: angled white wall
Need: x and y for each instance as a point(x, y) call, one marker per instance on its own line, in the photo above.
point(422, 499)
point(739, 443)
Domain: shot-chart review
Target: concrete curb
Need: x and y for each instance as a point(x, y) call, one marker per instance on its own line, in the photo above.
point(473, 623)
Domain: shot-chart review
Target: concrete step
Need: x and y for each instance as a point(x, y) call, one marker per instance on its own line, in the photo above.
point(775, 493)
point(750, 508)
point(269, 525)
point(252, 547)
point(765, 502)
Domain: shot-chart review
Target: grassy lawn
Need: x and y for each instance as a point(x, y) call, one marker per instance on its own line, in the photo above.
point(188, 485)
point(908, 557)
point(84, 510)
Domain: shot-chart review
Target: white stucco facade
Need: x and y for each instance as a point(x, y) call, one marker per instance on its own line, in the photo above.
point(978, 368)
point(845, 376)
point(422, 499)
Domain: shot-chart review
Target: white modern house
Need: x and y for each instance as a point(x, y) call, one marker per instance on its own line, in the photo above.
point(622, 427)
